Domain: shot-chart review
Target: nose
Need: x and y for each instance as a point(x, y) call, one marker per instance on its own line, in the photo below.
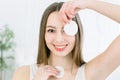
point(59, 37)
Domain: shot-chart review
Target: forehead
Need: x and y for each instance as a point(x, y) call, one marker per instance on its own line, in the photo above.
point(53, 19)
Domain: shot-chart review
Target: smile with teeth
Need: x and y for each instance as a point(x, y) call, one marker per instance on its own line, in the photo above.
point(60, 47)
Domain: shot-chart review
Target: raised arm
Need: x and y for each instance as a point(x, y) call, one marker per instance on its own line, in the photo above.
point(70, 8)
point(104, 64)
point(110, 10)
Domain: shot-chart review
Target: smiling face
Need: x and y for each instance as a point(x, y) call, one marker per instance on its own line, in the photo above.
point(57, 41)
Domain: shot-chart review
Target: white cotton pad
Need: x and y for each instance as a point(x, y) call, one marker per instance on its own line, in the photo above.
point(71, 28)
point(61, 74)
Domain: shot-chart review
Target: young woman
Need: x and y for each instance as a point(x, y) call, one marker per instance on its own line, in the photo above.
point(56, 48)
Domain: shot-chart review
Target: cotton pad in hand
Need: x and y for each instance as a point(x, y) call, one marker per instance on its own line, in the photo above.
point(61, 74)
point(71, 28)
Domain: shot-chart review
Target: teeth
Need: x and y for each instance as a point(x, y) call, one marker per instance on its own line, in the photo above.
point(60, 46)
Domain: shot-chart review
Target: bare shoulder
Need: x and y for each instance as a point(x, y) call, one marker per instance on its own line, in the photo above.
point(22, 73)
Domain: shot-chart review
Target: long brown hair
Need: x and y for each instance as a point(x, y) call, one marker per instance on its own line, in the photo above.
point(44, 52)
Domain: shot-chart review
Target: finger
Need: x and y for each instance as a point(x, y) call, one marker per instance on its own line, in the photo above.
point(69, 13)
point(51, 71)
point(70, 8)
point(62, 13)
point(51, 74)
point(63, 17)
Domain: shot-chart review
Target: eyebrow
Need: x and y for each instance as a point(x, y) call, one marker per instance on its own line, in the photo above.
point(49, 26)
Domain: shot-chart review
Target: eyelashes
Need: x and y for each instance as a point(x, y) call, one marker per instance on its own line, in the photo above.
point(51, 30)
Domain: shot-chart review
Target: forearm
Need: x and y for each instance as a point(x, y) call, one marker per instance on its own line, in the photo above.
point(110, 10)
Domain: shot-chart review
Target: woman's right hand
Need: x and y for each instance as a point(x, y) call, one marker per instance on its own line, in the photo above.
point(45, 72)
point(70, 8)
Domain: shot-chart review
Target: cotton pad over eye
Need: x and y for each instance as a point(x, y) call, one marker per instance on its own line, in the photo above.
point(61, 74)
point(71, 28)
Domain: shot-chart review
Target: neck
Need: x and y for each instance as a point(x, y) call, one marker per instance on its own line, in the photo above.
point(65, 62)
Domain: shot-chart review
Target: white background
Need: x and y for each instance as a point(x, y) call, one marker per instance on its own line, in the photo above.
point(23, 17)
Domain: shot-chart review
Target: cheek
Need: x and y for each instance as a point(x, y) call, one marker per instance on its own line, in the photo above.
point(73, 41)
point(70, 39)
point(48, 38)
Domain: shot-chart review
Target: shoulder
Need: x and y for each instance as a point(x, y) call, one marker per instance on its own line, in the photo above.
point(22, 73)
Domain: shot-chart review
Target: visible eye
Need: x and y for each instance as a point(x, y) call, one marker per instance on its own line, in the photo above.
point(51, 30)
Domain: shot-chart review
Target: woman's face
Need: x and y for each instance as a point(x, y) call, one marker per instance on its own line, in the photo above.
point(57, 41)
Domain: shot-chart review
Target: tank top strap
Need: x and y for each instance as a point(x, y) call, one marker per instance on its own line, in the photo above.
point(81, 73)
point(33, 69)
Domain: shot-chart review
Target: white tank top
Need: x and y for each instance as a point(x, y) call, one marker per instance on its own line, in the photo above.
point(79, 76)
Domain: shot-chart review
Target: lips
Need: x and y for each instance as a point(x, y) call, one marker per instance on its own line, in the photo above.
point(60, 47)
